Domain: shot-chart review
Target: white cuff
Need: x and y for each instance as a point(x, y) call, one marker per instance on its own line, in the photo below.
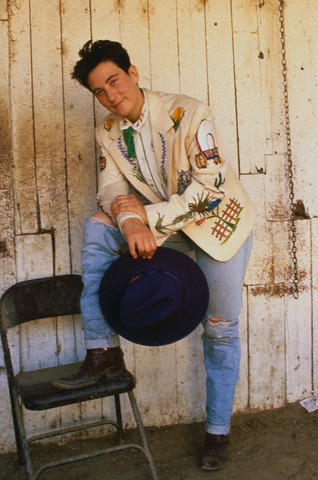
point(121, 217)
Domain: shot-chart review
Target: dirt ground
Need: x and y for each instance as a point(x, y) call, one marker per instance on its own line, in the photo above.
point(275, 445)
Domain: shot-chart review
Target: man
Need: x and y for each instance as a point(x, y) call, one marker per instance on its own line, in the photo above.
point(163, 148)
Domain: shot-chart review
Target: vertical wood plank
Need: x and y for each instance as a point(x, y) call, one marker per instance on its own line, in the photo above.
point(277, 199)
point(241, 400)
point(260, 270)
point(163, 40)
point(281, 254)
point(191, 49)
point(266, 349)
point(7, 252)
point(299, 323)
point(156, 384)
point(79, 127)
point(220, 76)
point(248, 86)
point(271, 77)
point(49, 127)
point(314, 243)
point(22, 118)
point(302, 68)
point(135, 35)
point(191, 379)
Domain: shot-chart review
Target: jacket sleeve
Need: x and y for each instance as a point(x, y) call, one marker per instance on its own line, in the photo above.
point(198, 151)
point(111, 182)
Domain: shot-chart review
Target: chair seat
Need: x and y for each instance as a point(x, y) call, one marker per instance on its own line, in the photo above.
point(38, 393)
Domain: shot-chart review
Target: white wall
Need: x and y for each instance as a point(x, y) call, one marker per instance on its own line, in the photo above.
point(226, 52)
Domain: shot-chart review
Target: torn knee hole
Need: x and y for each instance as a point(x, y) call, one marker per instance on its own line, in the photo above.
point(217, 319)
point(100, 217)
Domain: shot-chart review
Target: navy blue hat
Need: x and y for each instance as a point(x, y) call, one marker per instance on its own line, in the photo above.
point(154, 301)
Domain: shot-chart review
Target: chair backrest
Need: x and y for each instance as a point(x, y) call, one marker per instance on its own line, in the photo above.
point(40, 298)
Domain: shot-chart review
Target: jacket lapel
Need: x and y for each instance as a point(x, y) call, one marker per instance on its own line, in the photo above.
point(118, 150)
point(162, 136)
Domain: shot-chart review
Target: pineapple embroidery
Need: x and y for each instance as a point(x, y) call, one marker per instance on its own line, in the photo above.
point(176, 117)
point(202, 206)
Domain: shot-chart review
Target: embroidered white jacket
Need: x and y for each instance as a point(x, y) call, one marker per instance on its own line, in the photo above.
point(205, 198)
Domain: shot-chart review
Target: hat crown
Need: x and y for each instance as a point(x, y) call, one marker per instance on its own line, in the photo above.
point(154, 301)
point(151, 297)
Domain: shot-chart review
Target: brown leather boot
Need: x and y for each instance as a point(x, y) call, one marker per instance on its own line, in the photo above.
point(98, 362)
point(215, 455)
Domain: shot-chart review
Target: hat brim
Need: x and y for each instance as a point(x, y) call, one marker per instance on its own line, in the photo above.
point(192, 309)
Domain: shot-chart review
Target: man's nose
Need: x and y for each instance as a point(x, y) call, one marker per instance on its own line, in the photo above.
point(111, 95)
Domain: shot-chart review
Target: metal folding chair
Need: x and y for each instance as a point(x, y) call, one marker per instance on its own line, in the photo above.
point(56, 297)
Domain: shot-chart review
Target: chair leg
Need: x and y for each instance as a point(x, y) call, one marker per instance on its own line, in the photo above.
point(142, 434)
point(20, 437)
point(119, 418)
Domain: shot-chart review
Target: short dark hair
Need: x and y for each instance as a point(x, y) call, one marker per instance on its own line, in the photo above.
point(94, 53)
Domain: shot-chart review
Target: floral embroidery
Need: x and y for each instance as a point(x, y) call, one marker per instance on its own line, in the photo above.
point(163, 159)
point(184, 180)
point(176, 117)
point(108, 124)
point(133, 162)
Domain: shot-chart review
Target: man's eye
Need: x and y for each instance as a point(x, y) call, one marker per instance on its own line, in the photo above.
point(98, 93)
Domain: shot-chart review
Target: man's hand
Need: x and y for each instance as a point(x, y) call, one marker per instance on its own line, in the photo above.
point(128, 203)
point(140, 239)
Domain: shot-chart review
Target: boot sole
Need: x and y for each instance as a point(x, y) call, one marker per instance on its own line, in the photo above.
point(212, 469)
point(108, 374)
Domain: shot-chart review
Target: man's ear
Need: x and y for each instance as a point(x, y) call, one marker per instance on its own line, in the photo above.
point(133, 72)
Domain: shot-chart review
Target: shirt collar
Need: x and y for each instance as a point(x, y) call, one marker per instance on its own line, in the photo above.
point(125, 123)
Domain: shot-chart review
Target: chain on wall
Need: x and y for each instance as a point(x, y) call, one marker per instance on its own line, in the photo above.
point(289, 152)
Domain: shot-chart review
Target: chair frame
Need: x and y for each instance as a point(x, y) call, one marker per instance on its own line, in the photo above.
point(16, 308)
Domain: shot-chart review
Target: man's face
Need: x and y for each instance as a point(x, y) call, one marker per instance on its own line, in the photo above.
point(117, 90)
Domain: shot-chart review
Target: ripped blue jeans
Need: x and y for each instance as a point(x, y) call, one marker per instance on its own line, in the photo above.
point(103, 244)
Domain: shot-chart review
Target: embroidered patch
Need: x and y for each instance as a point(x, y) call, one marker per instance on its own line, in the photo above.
point(203, 205)
point(207, 147)
point(176, 117)
point(108, 124)
point(201, 161)
point(227, 221)
point(102, 162)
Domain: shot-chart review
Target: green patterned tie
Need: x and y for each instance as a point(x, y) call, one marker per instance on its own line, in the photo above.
point(128, 137)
